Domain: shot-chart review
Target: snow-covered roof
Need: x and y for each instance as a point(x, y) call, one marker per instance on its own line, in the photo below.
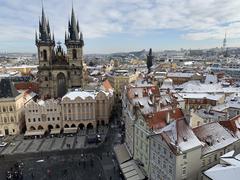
point(214, 97)
point(214, 137)
point(232, 101)
point(82, 94)
point(180, 74)
point(210, 78)
point(179, 136)
point(228, 169)
point(198, 87)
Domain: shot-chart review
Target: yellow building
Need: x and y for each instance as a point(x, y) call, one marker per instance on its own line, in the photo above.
point(119, 78)
point(11, 109)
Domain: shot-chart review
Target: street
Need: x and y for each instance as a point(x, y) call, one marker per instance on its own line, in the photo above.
point(91, 163)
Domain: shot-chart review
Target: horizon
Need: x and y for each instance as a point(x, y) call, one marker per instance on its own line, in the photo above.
point(122, 26)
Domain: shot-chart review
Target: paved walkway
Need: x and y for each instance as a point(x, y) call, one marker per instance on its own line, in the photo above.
point(78, 141)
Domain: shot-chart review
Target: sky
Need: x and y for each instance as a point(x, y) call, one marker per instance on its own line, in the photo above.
point(124, 25)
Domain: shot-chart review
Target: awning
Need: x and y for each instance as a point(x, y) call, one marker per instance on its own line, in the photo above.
point(131, 171)
point(35, 133)
point(55, 131)
point(122, 153)
point(70, 130)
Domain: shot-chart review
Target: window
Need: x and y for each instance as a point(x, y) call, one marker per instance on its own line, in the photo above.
point(74, 53)
point(184, 156)
point(203, 163)
point(170, 169)
point(154, 144)
point(46, 78)
point(29, 120)
point(164, 164)
point(13, 130)
point(34, 120)
point(58, 118)
point(39, 119)
point(184, 171)
point(53, 119)
point(45, 55)
point(215, 157)
point(165, 151)
point(209, 160)
point(48, 119)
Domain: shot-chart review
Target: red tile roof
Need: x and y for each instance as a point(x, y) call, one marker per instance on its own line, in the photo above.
point(159, 119)
point(107, 85)
point(33, 86)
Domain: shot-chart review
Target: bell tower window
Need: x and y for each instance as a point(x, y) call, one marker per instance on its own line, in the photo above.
point(74, 54)
point(45, 55)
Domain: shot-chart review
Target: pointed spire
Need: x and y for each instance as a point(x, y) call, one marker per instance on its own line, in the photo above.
point(65, 35)
point(77, 26)
point(73, 27)
point(44, 28)
point(73, 35)
point(36, 36)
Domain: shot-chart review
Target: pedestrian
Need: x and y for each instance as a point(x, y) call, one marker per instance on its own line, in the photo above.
point(32, 175)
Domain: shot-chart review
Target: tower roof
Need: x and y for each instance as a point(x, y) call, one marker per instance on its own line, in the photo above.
point(7, 89)
point(44, 30)
point(73, 27)
point(74, 36)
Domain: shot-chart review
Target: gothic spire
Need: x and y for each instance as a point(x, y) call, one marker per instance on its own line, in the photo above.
point(74, 35)
point(36, 36)
point(44, 28)
point(149, 60)
point(73, 27)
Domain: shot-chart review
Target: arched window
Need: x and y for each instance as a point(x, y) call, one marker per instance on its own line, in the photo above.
point(74, 53)
point(12, 119)
point(45, 55)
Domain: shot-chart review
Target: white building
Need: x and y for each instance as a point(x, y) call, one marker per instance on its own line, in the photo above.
point(175, 153)
point(229, 168)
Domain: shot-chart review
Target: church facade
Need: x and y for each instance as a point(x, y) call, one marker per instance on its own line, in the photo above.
point(59, 71)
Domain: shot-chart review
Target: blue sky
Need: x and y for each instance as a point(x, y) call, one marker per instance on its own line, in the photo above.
point(124, 25)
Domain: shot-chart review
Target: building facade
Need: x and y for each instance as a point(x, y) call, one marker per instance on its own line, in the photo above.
point(57, 71)
point(77, 109)
point(43, 115)
point(11, 109)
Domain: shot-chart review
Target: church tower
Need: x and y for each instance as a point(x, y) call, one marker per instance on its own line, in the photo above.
point(45, 45)
point(74, 43)
point(45, 42)
point(58, 72)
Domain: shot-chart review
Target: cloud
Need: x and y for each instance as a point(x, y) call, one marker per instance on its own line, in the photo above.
point(195, 19)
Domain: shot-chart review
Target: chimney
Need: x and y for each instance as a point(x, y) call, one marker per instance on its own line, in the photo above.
point(168, 117)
